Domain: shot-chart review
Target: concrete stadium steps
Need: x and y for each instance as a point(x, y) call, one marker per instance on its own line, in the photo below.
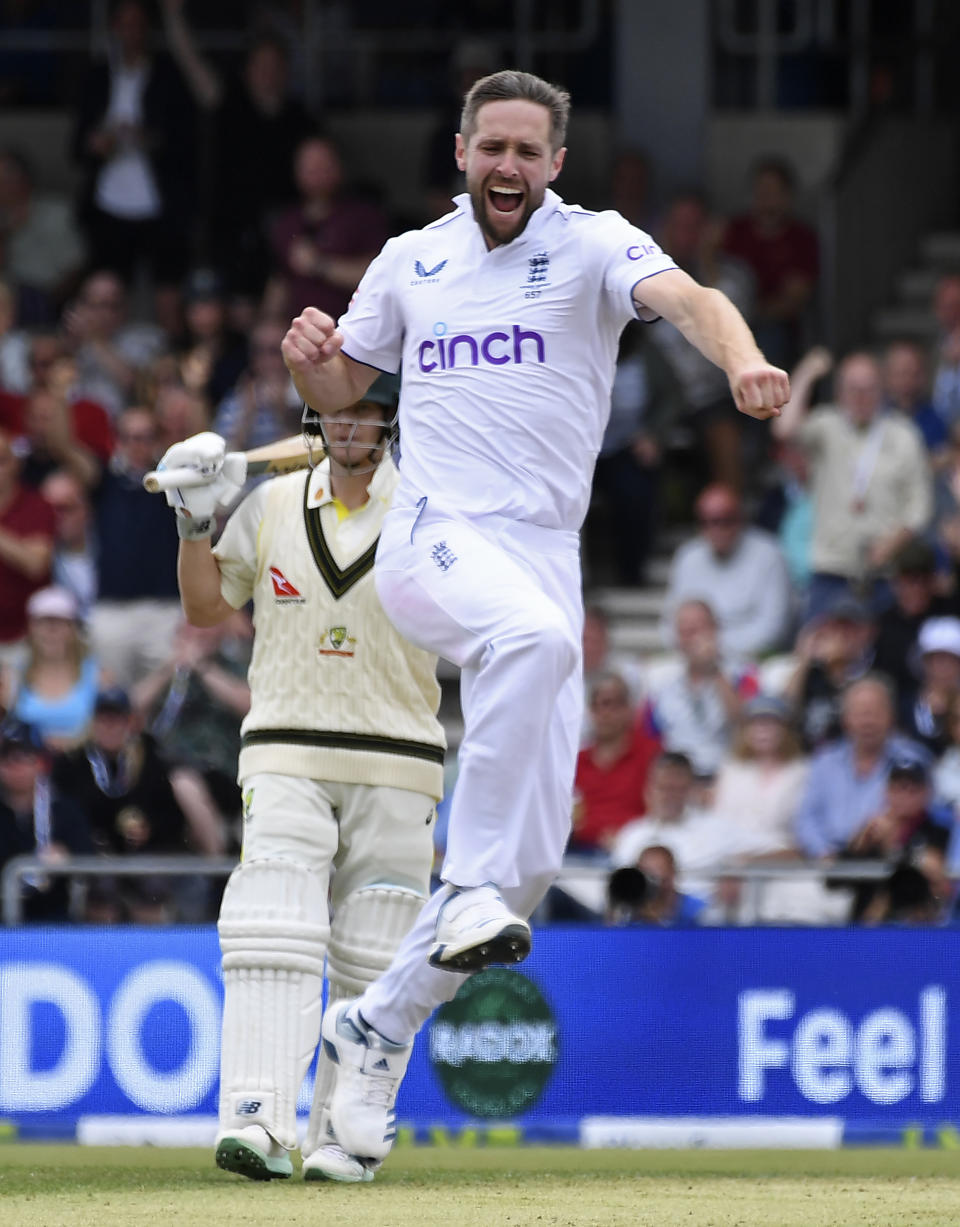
point(911, 314)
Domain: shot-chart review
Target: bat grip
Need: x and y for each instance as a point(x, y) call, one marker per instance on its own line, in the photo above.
point(171, 479)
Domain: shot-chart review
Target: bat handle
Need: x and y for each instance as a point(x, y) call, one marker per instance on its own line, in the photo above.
point(170, 479)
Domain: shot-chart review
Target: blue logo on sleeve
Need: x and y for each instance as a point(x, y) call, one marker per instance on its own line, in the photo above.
point(422, 272)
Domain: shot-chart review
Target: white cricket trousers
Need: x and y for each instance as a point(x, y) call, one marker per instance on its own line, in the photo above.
point(502, 600)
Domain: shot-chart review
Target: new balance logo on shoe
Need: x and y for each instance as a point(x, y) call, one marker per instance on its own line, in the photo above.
point(249, 1107)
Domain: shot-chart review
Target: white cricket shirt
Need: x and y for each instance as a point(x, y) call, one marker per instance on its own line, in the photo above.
point(508, 355)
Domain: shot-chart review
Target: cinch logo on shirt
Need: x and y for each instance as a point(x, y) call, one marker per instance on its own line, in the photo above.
point(496, 348)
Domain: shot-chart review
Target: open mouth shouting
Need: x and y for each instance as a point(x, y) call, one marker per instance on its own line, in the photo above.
point(505, 199)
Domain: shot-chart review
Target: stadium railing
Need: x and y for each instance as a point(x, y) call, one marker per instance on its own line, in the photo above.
point(579, 880)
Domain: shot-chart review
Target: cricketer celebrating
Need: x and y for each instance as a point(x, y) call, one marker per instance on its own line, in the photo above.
point(340, 768)
point(505, 315)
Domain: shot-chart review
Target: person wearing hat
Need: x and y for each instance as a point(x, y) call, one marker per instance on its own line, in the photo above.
point(916, 598)
point(37, 818)
point(54, 690)
point(908, 830)
point(341, 764)
point(924, 710)
point(212, 355)
point(833, 649)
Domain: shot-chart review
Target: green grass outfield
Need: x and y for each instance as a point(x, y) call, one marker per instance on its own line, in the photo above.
point(70, 1186)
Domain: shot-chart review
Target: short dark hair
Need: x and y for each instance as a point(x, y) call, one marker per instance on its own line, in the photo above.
point(510, 85)
point(674, 758)
point(773, 164)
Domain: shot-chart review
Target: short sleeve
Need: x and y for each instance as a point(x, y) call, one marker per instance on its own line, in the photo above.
point(372, 326)
point(236, 551)
point(630, 256)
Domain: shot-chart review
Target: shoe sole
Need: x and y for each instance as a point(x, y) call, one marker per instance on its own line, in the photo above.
point(318, 1174)
point(511, 945)
point(244, 1160)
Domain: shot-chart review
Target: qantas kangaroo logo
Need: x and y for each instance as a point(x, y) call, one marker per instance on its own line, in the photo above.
point(283, 590)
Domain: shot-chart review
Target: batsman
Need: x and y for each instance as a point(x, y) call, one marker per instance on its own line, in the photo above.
point(341, 767)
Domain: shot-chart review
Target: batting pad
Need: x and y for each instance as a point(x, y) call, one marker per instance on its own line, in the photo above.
point(367, 928)
point(273, 933)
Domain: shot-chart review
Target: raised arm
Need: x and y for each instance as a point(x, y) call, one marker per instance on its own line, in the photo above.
point(710, 321)
point(806, 375)
point(203, 81)
point(326, 378)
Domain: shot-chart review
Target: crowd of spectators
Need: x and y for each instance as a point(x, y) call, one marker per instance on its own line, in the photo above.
point(805, 706)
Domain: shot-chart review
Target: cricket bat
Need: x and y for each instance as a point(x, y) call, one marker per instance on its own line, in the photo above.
point(283, 456)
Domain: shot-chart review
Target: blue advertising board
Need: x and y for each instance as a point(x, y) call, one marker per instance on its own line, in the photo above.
point(857, 1024)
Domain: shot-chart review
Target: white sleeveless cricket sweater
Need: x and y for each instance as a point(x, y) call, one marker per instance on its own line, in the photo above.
point(336, 693)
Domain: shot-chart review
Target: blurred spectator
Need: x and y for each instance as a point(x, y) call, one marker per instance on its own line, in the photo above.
point(871, 480)
point(138, 608)
point(42, 251)
point(74, 555)
point(696, 710)
point(644, 402)
point(611, 777)
point(646, 893)
point(192, 705)
point(786, 509)
point(630, 188)
point(946, 773)
point(782, 253)
point(47, 441)
point(110, 352)
point(123, 786)
point(55, 688)
point(599, 659)
point(915, 599)
point(908, 830)
point(689, 235)
point(52, 370)
point(26, 550)
point(701, 842)
point(134, 141)
point(946, 379)
point(924, 711)
point(258, 127)
point(759, 786)
point(211, 353)
point(179, 412)
point(322, 246)
point(833, 650)
point(847, 780)
point(471, 59)
point(14, 371)
point(265, 405)
point(37, 819)
point(739, 570)
point(906, 384)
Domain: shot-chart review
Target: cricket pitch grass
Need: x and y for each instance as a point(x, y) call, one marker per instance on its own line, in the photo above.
point(72, 1186)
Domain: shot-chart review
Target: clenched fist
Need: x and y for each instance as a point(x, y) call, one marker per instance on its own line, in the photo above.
point(312, 339)
point(760, 391)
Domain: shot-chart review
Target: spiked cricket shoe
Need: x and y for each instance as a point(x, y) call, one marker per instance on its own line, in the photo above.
point(476, 928)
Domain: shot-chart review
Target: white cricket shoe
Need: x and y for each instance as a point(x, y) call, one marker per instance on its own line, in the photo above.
point(476, 928)
point(253, 1153)
point(331, 1162)
point(369, 1071)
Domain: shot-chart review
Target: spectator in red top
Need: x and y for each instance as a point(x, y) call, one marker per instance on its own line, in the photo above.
point(611, 776)
point(323, 245)
point(784, 256)
point(86, 422)
point(26, 550)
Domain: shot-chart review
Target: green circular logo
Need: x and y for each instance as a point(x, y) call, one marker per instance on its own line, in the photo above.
point(494, 1046)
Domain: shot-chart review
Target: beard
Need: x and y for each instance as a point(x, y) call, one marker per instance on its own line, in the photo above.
point(483, 210)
